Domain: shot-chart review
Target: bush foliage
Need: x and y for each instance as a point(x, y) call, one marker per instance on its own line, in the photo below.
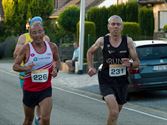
point(90, 34)
point(17, 13)
point(128, 12)
point(69, 18)
point(146, 21)
point(131, 29)
point(165, 28)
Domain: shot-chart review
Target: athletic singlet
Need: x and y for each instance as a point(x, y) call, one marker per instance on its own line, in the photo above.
point(40, 77)
point(112, 57)
point(27, 40)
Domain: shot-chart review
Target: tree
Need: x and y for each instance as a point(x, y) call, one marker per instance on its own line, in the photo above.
point(8, 7)
point(17, 12)
point(146, 21)
point(41, 8)
point(69, 18)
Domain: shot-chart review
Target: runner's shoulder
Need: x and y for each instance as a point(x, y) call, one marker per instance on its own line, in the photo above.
point(21, 39)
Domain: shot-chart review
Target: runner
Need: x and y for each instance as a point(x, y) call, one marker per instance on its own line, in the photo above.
point(22, 40)
point(113, 76)
point(41, 60)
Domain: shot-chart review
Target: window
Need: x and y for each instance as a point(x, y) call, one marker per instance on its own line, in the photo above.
point(162, 15)
point(56, 4)
point(152, 52)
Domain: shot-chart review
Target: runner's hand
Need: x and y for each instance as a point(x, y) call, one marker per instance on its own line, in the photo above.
point(29, 67)
point(125, 62)
point(54, 73)
point(91, 71)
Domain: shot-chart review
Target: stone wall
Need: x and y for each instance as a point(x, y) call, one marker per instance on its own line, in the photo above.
point(159, 35)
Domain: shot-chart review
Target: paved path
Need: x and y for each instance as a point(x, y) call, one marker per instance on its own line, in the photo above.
point(77, 81)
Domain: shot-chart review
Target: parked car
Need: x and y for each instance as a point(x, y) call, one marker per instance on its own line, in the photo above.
point(152, 73)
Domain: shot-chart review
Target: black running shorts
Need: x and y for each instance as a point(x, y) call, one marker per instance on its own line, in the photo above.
point(113, 85)
point(31, 99)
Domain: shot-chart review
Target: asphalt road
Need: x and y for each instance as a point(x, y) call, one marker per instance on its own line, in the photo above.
point(72, 106)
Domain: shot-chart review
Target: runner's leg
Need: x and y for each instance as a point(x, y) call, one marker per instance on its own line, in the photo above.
point(45, 108)
point(29, 115)
point(113, 108)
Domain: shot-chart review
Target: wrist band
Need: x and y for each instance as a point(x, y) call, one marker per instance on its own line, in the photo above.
point(56, 69)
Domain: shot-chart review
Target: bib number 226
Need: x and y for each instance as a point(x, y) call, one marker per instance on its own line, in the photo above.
point(39, 76)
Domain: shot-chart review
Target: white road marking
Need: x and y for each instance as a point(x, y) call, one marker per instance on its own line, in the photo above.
point(144, 113)
point(130, 109)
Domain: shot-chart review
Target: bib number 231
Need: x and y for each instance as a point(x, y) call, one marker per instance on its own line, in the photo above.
point(117, 70)
point(39, 76)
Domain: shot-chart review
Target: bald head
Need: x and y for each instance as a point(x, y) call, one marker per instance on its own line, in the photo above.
point(115, 17)
point(115, 25)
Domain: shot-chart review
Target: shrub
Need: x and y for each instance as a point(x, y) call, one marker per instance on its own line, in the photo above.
point(131, 29)
point(7, 47)
point(69, 18)
point(99, 16)
point(146, 21)
point(165, 28)
point(89, 37)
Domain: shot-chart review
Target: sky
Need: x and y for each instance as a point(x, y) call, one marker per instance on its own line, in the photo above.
point(107, 3)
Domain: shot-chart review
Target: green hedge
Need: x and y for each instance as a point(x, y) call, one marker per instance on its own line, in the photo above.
point(17, 12)
point(165, 28)
point(99, 16)
point(90, 34)
point(131, 12)
point(69, 18)
point(128, 12)
point(131, 29)
point(146, 21)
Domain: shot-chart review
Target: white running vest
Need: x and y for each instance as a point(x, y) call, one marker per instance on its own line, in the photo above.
point(42, 61)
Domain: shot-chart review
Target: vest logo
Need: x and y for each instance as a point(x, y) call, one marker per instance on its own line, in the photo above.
point(123, 51)
point(32, 55)
point(48, 54)
point(110, 51)
point(35, 59)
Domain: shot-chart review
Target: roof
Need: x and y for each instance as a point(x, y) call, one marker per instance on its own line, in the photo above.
point(150, 1)
point(148, 42)
point(88, 3)
point(107, 3)
point(59, 10)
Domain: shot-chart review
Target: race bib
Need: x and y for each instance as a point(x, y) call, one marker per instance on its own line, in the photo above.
point(116, 70)
point(39, 75)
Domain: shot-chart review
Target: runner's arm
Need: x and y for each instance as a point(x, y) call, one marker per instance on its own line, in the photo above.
point(133, 53)
point(56, 58)
point(21, 57)
point(90, 53)
point(19, 45)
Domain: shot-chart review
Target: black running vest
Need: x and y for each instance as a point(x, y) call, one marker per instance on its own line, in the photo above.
point(112, 55)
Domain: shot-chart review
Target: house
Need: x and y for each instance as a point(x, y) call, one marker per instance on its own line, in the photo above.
point(1, 11)
point(159, 10)
point(60, 5)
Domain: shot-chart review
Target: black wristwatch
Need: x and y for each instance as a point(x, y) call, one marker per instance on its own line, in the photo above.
point(57, 69)
point(131, 64)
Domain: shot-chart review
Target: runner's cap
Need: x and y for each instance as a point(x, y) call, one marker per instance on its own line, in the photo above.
point(35, 20)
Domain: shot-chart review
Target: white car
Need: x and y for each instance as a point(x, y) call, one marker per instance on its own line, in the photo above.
point(152, 73)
